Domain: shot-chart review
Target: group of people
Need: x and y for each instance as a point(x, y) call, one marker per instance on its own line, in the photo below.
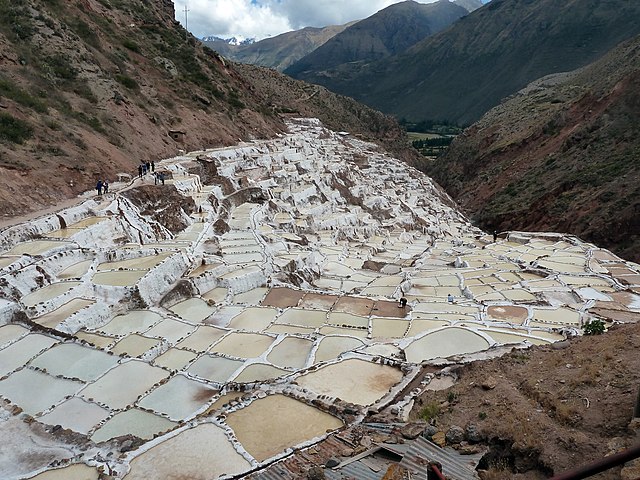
point(144, 168)
point(102, 187)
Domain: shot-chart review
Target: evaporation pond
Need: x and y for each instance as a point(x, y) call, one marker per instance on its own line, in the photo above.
point(332, 347)
point(272, 424)
point(216, 369)
point(178, 398)
point(259, 372)
point(76, 270)
point(244, 345)
point(74, 361)
point(444, 343)
point(45, 294)
point(136, 321)
point(52, 319)
point(193, 309)
point(132, 422)
point(353, 380)
point(171, 330)
point(21, 385)
point(20, 352)
point(202, 338)
point(37, 247)
point(9, 333)
point(121, 386)
point(118, 278)
point(291, 352)
point(255, 319)
point(199, 453)
point(76, 414)
point(142, 263)
point(78, 471)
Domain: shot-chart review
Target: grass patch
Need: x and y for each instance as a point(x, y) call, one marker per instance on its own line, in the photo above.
point(430, 411)
point(13, 129)
point(127, 82)
point(9, 90)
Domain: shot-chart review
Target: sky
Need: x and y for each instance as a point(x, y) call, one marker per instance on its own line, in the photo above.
point(260, 19)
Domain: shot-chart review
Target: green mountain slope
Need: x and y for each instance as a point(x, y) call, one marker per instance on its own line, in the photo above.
point(563, 155)
point(462, 72)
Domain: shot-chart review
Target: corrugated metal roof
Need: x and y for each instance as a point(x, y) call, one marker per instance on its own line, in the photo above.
point(454, 465)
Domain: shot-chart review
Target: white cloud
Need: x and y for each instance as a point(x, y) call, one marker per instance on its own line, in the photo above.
point(266, 18)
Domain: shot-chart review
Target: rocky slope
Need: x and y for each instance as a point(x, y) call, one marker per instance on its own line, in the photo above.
point(280, 51)
point(462, 72)
point(388, 32)
point(560, 155)
point(89, 89)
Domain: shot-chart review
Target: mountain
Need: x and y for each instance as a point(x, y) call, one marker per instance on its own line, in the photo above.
point(280, 51)
point(388, 32)
point(460, 73)
point(561, 154)
point(88, 89)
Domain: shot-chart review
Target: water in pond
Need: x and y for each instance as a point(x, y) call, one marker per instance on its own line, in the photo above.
point(354, 332)
point(215, 369)
point(20, 352)
point(134, 345)
point(76, 270)
point(419, 326)
point(178, 398)
point(171, 330)
point(135, 422)
point(118, 278)
point(353, 380)
point(259, 372)
point(193, 309)
point(99, 341)
point(444, 343)
point(202, 338)
point(291, 352)
point(174, 358)
point(303, 318)
point(20, 386)
point(243, 345)
point(59, 315)
point(254, 319)
point(252, 297)
point(121, 386)
point(75, 361)
point(79, 471)
point(199, 453)
point(290, 329)
point(386, 328)
point(37, 247)
point(77, 415)
point(272, 424)
point(142, 263)
point(9, 333)
point(348, 319)
point(45, 294)
point(135, 321)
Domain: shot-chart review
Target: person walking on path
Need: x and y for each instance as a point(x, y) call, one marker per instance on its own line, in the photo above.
point(99, 187)
point(162, 177)
point(153, 166)
point(140, 171)
point(105, 187)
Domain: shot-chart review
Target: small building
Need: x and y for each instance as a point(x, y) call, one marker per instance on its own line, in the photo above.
point(177, 135)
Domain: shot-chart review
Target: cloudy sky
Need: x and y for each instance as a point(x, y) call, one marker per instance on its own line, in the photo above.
point(265, 18)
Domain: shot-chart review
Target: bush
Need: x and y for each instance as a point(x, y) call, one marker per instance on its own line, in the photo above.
point(430, 411)
point(128, 82)
point(594, 327)
point(13, 129)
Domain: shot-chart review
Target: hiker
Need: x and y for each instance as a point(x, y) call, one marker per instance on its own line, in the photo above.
point(162, 177)
point(153, 166)
point(495, 236)
point(155, 178)
point(450, 298)
point(403, 303)
point(140, 171)
point(105, 186)
point(99, 187)
point(148, 166)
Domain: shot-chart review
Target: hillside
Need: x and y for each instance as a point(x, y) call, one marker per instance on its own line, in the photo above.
point(90, 89)
point(462, 72)
point(388, 32)
point(560, 155)
point(280, 51)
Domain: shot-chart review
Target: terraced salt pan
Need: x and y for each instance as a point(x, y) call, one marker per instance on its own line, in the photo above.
point(47, 293)
point(419, 326)
point(243, 345)
point(560, 316)
point(272, 424)
point(75, 361)
point(6, 261)
point(341, 318)
point(290, 329)
point(20, 386)
point(254, 319)
point(139, 263)
point(175, 358)
point(387, 328)
point(72, 472)
point(215, 369)
point(170, 330)
point(37, 247)
point(259, 372)
point(202, 338)
point(134, 345)
point(353, 380)
point(121, 386)
point(100, 341)
point(507, 338)
point(134, 321)
point(252, 297)
point(59, 315)
point(134, 422)
point(179, 398)
point(199, 453)
point(118, 278)
point(304, 318)
point(353, 332)
point(10, 333)
point(291, 352)
point(76, 270)
point(19, 353)
point(76, 414)
point(445, 343)
point(193, 309)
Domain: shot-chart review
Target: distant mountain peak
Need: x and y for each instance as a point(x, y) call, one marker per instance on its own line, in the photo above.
point(236, 40)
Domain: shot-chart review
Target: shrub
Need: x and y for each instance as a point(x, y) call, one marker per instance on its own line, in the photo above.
point(430, 411)
point(13, 129)
point(127, 81)
point(594, 327)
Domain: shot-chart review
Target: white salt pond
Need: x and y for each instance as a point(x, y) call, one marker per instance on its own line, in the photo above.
point(134, 345)
point(178, 398)
point(202, 338)
point(444, 343)
point(76, 270)
point(193, 309)
point(74, 361)
point(254, 319)
point(118, 278)
point(175, 358)
point(272, 424)
point(20, 352)
point(259, 372)
point(291, 352)
point(135, 321)
point(332, 347)
point(200, 453)
point(9, 333)
point(353, 380)
point(76, 414)
point(215, 369)
point(140, 263)
point(243, 345)
point(47, 293)
point(59, 315)
point(135, 422)
point(37, 247)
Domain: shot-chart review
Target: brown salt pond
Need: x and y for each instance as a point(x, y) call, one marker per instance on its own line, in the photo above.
point(199, 453)
point(353, 380)
point(282, 297)
point(508, 313)
point(272, 424)
point(79, 471)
